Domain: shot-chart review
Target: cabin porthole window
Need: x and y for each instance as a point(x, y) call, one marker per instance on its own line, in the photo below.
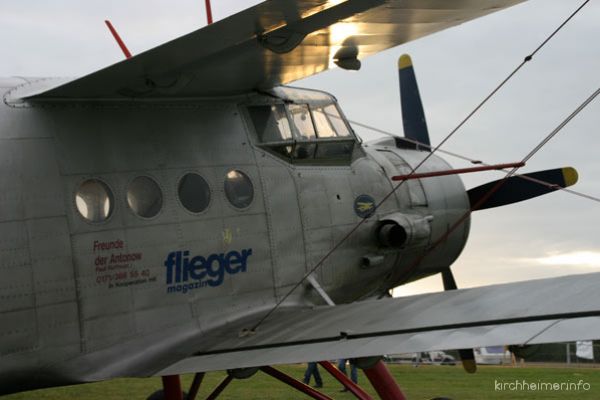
point(238, 189)
point(94, 200)
point(144, 197)
point(194, 193)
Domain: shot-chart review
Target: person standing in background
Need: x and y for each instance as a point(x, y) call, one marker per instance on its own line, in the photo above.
point(353, 371)
point(313, 369)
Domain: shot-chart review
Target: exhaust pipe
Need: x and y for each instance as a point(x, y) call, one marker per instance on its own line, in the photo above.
point(399, 230)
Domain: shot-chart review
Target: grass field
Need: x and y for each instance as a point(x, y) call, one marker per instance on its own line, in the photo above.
point(424, 382)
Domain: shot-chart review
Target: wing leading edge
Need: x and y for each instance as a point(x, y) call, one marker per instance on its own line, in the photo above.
point(539, 311)
point(275, 42)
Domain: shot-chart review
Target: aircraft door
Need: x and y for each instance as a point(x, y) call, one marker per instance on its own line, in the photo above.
point(285, 226)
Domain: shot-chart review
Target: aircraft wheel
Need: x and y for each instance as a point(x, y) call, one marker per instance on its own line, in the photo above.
point(160, 395)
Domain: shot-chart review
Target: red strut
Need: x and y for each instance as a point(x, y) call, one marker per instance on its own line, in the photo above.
point(208, 12)
point(456, 171)
point(383, 382)
point(120, 42)
point(356, 390)
point(172, 387)
point(296, 384)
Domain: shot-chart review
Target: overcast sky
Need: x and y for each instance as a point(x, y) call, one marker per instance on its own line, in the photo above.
point(549, 236)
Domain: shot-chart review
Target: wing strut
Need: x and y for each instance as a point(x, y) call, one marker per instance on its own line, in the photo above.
point(343, 379)
point(219, 389)
point(209, 18)
point(296, 384)
point(457, 171)
point(120, 42)
point(384, 383)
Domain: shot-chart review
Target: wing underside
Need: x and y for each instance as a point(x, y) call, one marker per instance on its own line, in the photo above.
point(530, 312)
point(540, 311)
point(275, 42)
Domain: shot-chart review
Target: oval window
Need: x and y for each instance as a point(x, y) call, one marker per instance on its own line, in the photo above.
point(94, 200)
point(194, 193)
point(238, 189)
point(144, 197)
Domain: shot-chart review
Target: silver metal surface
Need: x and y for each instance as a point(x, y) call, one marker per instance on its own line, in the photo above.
point(171, 292)
point(89, 300)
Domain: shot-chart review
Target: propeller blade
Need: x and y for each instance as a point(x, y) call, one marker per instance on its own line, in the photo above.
point(467, 356)
point(517, 188)
point(413, 116)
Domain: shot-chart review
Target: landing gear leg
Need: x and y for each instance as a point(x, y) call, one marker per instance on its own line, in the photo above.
point(171, 389)
point(343, 379)
point(220, 388)
point(296, 384)
point(195, 386)
point(383, 382)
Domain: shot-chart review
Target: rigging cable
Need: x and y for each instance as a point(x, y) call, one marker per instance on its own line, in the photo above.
point(498, 185)
point(476, 161)
point(429, 155)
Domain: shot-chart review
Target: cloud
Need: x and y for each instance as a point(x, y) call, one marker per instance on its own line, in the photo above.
point(576, 259)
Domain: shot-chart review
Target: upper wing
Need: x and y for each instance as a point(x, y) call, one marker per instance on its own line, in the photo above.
point(275, 42)
point(540, 311)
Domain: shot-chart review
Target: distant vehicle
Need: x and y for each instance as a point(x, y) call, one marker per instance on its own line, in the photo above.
point(436, 358)
point(493, 355)
point(429, 357)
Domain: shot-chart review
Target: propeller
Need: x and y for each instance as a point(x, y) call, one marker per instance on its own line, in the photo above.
point(514, 189)
point(467, 356)
point(522, 187)
point(413, 116)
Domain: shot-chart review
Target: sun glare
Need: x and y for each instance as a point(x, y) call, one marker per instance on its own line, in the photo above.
point(337, 34)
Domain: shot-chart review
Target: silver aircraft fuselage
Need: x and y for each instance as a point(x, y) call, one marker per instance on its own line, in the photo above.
point(78, 295)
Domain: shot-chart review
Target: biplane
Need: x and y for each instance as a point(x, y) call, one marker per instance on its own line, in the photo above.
point(185, 210)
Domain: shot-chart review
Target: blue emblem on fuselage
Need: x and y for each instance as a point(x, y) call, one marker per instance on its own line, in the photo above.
point(364, 206)
point(185, 272)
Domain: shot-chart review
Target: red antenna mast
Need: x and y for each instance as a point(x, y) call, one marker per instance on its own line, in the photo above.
point(120, 42)
point(209, 18)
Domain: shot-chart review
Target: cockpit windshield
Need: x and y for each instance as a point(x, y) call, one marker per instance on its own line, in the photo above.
point(301, 118)
point(329, 122)
point(271, 123)
point(304, 133)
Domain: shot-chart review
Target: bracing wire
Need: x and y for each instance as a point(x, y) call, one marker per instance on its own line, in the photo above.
point(406, 274)
point(423, 161)
point(477, 161)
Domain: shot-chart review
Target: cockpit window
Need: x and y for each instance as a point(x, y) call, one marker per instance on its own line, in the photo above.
point(271, 123)
point(336, 120)
point(303, 133)
point(324, 127)
point(302, 120)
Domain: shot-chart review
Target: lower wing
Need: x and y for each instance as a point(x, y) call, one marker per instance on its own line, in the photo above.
point(538, 311)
